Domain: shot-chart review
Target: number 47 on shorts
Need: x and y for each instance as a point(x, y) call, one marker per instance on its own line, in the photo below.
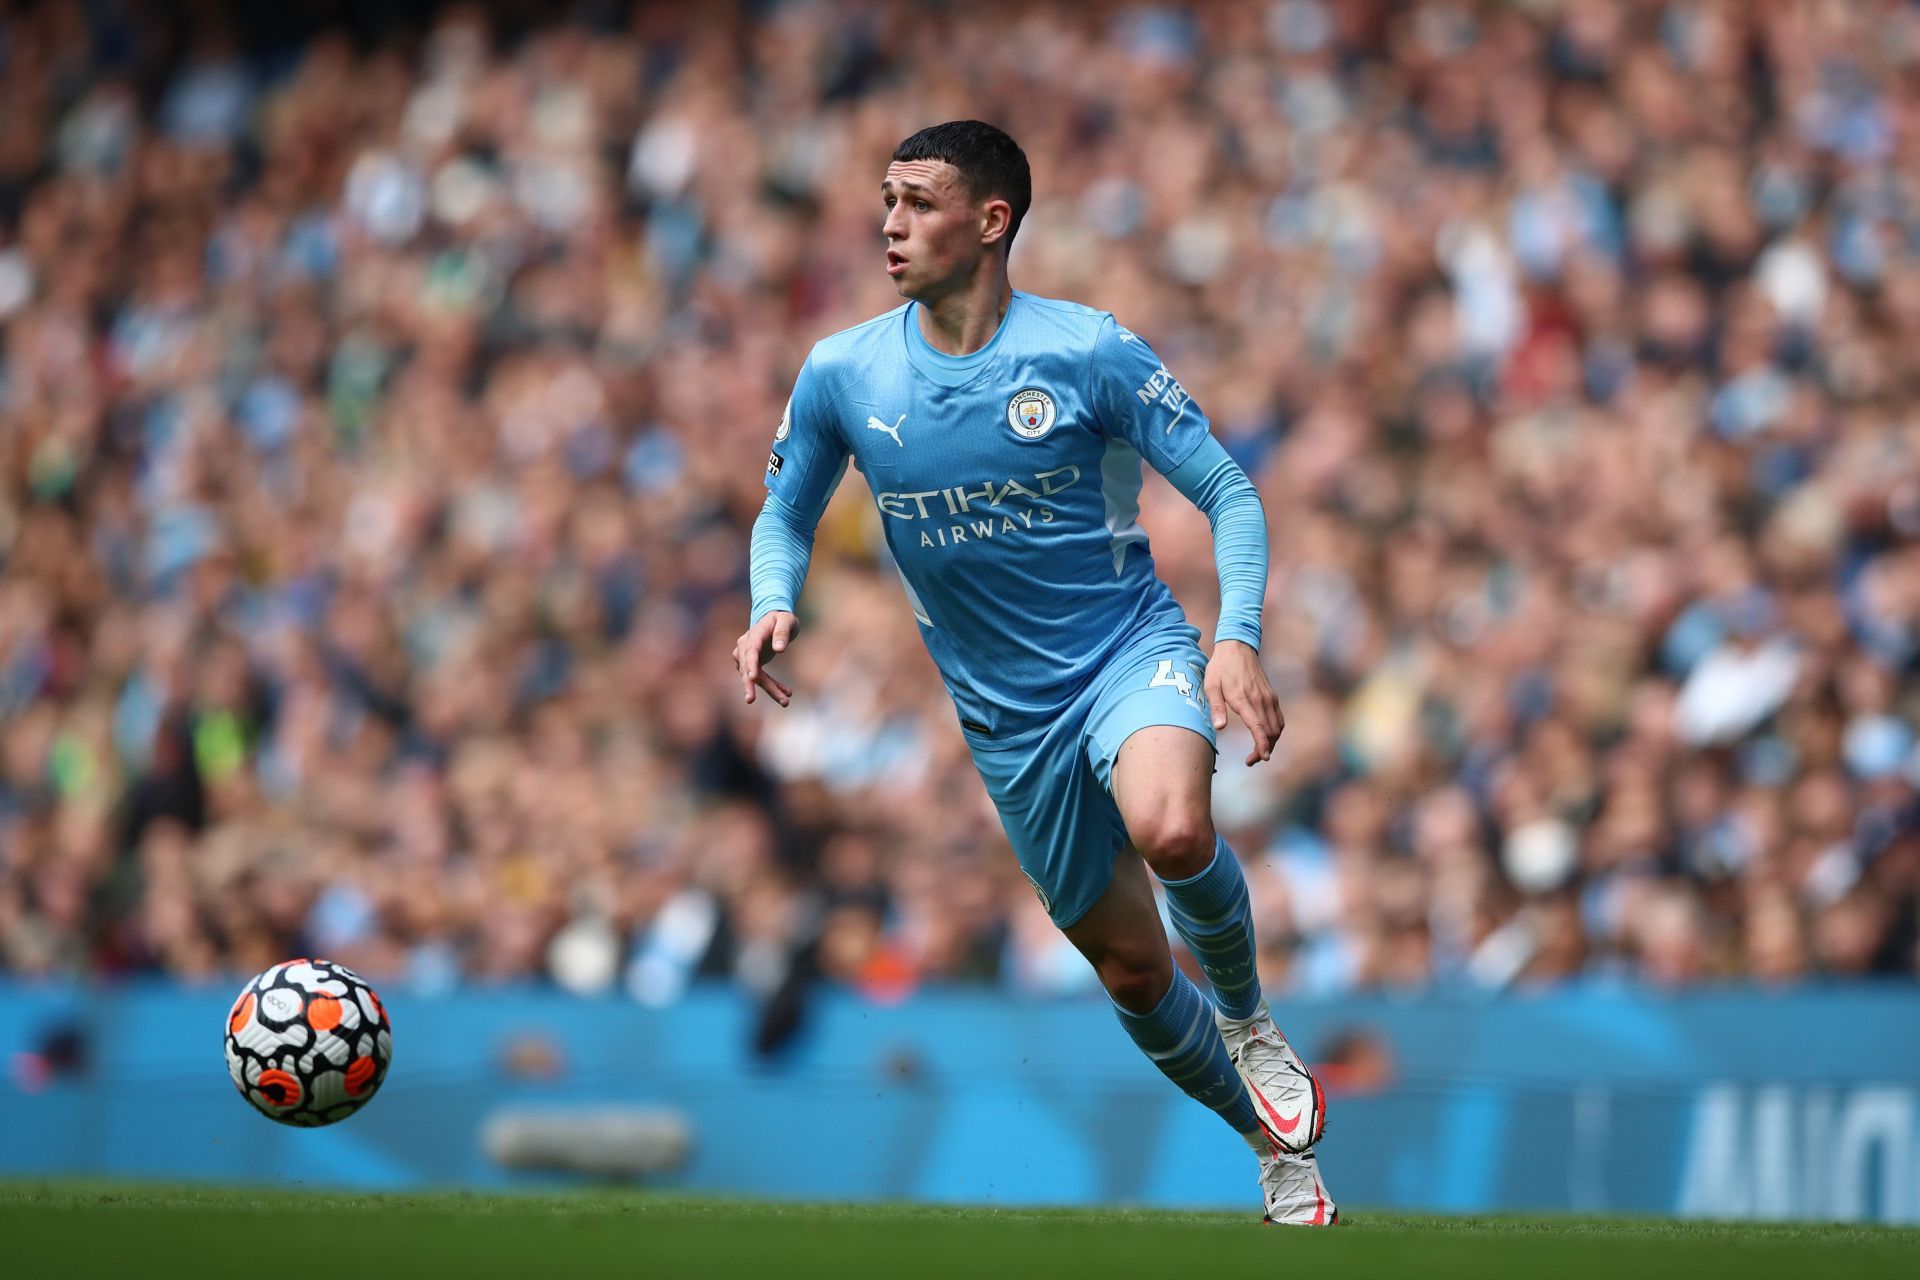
point(1178, 681)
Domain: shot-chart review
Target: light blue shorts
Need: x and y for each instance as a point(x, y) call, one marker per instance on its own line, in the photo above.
point(1054, 792)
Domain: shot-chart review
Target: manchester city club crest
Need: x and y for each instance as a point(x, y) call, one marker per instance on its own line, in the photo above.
point(1030, 413)
point(1046, 903)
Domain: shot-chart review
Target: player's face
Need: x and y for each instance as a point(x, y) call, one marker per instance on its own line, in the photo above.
point(933, 227)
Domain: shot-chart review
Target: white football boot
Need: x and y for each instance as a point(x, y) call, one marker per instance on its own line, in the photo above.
point(1286, 1098)
point(1295, 1193)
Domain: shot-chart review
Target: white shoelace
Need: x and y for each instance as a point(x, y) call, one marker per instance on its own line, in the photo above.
point(1280, 1068)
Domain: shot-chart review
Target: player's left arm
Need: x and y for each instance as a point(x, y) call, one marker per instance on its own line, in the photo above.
point(1214, 482)
point(1141, 402)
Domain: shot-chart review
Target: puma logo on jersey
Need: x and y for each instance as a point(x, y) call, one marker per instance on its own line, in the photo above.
point(874, 424)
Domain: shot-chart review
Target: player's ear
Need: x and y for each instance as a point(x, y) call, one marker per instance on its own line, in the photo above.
point(996, 219)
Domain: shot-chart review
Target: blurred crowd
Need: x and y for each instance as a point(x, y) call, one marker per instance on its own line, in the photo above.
point(382, 413)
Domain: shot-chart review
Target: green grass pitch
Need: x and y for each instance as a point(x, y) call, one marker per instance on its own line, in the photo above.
point(56, 1229)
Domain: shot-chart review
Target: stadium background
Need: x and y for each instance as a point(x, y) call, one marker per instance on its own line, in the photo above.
point(383, 392)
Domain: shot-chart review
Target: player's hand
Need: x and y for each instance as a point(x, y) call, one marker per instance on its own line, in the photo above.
point(1236, 680)
point(752, 652)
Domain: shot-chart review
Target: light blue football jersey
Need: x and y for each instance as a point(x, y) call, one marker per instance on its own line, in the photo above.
point(1008, 482)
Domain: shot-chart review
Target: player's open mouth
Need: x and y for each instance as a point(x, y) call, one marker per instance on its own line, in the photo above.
point(895, 263)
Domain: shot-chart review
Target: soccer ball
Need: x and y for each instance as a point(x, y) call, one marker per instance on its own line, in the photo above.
point(308, 1043)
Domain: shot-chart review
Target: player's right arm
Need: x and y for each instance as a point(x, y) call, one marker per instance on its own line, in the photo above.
point(804, 468)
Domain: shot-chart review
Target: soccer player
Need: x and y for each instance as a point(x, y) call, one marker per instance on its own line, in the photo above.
point(1002, 436)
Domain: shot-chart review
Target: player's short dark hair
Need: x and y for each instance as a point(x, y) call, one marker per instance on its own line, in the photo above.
point(990, 163)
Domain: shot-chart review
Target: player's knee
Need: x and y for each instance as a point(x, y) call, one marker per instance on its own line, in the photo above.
point(1136, 983)
point(1176, 844)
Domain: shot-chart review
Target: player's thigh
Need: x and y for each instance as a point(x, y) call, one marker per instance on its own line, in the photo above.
point(1162, 784)
point(1063, 826)
point(1150, 741)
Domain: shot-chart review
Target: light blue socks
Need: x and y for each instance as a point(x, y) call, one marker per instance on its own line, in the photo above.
point(1183, 1040)
point(1212, 916)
